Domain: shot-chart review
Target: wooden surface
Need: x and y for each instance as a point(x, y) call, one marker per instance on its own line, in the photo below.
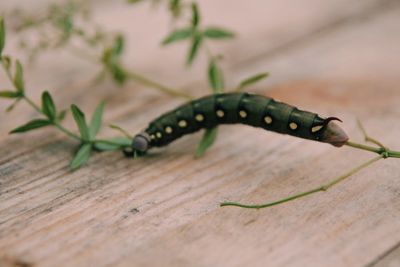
point(335, 57)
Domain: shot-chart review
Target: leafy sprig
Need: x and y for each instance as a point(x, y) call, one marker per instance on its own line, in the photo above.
point(97, 46)
point(196, 34)
point(198, 37)
point(51, 117)
point(57, 27)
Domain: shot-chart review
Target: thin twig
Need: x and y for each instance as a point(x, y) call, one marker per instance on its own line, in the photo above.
point(383, 152)
point(145, 81)
point(368, 138)
point(118, 128)
point(323, 187)
point(109, 142)
point(379, 150)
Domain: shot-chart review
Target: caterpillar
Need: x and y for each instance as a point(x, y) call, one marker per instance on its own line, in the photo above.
point(245, 108)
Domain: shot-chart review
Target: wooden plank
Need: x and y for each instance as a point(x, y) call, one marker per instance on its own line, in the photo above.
point(388, 259)
point(163, 209)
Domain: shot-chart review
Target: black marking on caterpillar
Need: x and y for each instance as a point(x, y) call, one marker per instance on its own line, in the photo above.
point(228, 108)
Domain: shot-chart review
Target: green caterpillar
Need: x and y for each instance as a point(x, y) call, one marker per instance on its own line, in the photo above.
point(245, 108)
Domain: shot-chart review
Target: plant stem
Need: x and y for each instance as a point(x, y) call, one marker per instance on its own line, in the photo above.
point(116, 127)
point(32, 104)
point(351, 172)
point(110, 142)
point(367, 138)
point(387, 152)
point(323, 187)
point(145, 81)
point(67, 132)
point(83, 54)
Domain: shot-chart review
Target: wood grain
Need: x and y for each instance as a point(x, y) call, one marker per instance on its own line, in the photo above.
point(337, 58)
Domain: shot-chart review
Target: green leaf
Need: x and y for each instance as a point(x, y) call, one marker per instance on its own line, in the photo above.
point(206, 142)
point(2, 36)
point(34, 124)
point(6, 61)
point(215, 77)
point(95, 123)
point(194, 48)
point(107, 57)
point(134, 1)
point(174, 3)
point(177, 35)
point(115, 143)
point(81, 156)
point(19, 77)
point(10, 94)
point(253, 79)
point(12, 106)
point(48, 107)
point(118, 74)
point(80, 122)
point(175, 7)
point(217, 33)
point(61, 115)
point(195, 15)
point(119, 44)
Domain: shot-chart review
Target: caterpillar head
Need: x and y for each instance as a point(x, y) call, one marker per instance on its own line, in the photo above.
point(140, 145)
point(333, 133)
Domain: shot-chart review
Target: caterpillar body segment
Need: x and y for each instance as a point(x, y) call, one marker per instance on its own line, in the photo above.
point(229, 108)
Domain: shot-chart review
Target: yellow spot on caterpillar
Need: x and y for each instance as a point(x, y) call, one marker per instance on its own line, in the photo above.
point(152, 137)
point(182, 123)
point(220, 113)
point(268, 119)
point(168, 129)
point(293, 125)
point(243, 114)
point(199, 117)
point(316, 128)
point(158, 135)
